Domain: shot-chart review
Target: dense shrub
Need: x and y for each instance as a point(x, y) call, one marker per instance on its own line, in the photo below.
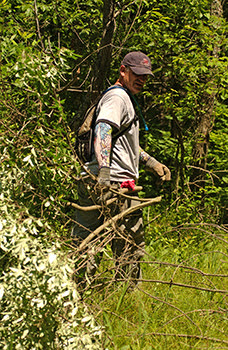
point(40, 305)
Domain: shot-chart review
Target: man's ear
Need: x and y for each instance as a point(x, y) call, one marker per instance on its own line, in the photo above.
point(122, 70)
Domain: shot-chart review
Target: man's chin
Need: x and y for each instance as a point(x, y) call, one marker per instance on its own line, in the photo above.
point(137, 89)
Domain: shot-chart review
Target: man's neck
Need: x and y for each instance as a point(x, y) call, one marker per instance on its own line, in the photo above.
point(118, 82)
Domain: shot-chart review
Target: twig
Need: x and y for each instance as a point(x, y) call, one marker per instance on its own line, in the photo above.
point(107, 203)
point(120, 192)
point(205, 170)
point(91, 207)
point(166, 210)
point(14, 109)
point(194, 269)
point(191, 336)
point(169, 304)
point(194, 226)
point(71, 82)
point(38, 26)
point(193, 311)
point(171, 283)
point(132, 25)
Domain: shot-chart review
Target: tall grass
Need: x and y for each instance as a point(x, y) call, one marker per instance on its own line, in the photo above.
point(181, 301)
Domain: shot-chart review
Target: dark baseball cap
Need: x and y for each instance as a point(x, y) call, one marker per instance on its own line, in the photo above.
point(138, 62)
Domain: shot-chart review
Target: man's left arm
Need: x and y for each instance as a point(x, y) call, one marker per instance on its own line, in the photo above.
point(153, 165)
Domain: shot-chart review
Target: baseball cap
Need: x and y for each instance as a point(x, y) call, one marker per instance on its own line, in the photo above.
point(138, 62)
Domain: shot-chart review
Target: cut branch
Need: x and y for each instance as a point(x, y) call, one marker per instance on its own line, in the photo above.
point(112, 200)
point(115, 219)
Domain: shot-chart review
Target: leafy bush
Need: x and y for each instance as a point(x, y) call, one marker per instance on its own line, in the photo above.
point(49, 52)
point(40, 306)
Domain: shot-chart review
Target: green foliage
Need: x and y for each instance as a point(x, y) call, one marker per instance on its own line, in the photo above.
point(40, 306)
point(46, 44)
point(34, 133)
point(174, 306)
point(190, 65)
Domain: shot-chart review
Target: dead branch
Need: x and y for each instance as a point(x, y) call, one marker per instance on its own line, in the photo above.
point(108, 202)
point(120, 192)
point(194, 226)
point(171, 283)
point(171, 305)
point(193, 269)
point(192, 336)
point(210, 173)
point(91, 207)
point(210, 311)
point(115, 219)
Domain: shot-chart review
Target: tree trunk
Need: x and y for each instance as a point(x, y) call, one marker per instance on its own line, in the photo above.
point(205, 120)
point(102, 64)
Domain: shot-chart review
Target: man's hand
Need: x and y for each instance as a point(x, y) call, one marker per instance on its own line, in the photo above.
point(158, 169)
point(104, 176)
point(162, 171)
point(102, 188)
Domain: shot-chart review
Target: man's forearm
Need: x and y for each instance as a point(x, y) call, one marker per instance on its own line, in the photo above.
point(103, 144)
point(155, 166)
point(144, 157)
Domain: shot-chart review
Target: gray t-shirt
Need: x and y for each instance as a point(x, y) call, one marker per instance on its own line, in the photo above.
point(116, 109)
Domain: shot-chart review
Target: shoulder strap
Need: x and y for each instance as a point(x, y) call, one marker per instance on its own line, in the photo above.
point(133, 100)
point(122, 132)
point(140, 111)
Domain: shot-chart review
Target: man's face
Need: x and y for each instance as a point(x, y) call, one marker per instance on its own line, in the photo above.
point(132, 81)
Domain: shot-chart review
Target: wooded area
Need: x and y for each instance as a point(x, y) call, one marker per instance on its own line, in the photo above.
point(56, 57)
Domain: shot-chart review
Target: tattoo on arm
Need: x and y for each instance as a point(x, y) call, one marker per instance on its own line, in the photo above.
point(103, 143)
point(143, 156)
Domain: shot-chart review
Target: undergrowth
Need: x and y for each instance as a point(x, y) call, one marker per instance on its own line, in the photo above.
point(181, 301)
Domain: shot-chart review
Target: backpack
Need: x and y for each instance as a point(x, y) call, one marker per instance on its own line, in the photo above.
point(84, 134)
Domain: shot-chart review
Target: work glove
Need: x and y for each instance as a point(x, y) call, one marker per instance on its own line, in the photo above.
point(159, 170)
point(103, 186)
point(104, 176)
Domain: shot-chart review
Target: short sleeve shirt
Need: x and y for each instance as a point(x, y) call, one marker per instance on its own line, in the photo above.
point(116, 109)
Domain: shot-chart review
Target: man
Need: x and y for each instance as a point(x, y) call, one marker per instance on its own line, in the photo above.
point(116, 163)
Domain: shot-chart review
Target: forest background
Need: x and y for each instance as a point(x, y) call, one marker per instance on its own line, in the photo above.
point(56, 56)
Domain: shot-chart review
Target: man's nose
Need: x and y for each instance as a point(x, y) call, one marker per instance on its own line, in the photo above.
point(143, 77)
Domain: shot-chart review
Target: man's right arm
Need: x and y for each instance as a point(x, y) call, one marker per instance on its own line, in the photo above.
point(102, 148)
